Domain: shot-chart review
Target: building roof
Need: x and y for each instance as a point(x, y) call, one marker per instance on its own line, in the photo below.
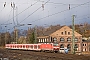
point(49, 31)
point(53, 29)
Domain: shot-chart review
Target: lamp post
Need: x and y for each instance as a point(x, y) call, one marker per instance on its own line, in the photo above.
point(6, 35)
point(35, 33)
point(29, 34)
point(73, 36)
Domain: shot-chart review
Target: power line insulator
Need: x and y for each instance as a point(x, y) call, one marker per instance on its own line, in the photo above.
point(43, 6)
point(4, 4)
point(11, 4)
point(69, 6)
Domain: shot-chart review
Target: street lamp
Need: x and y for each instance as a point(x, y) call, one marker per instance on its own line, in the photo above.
point(29, 24)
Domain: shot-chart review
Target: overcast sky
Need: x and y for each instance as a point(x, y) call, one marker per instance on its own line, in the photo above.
point(44, 12)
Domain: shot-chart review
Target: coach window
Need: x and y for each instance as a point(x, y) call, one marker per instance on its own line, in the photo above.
point(31, 46)
point(26, 46)
point(61, 39)
point(61, 46)
point(20, 46)
point(54, 39)
point(76, 39)
point(69, 39)
point(23, 46)
point(35, 46)
point(15, 46)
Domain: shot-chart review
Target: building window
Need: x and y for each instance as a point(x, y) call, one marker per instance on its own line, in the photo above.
point(69, 47)
point(76, 39)
point(65, 32)
point(69, 39)
point(85, 44)
point(55, 40)
point(61, 46)
point(43, 40)
point(76, 47)
point(68, 33)
point(39, 40)
point(47, 40)
point(61, 39)
point(51, 39)
point(85, 49)
point(89, 47)
point(62, 33)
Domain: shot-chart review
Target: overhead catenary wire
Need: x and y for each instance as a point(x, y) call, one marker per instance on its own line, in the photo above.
point(60, 3)
point(75, 19)
point(60, 12)
point(20, 12)
point(3, 6)
point(34, 11)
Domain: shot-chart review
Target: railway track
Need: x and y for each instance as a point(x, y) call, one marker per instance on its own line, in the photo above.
point(32, 55)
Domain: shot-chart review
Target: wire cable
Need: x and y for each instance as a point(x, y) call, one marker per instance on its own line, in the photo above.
point(60, 12)
point(34, 11)
point(21, 12)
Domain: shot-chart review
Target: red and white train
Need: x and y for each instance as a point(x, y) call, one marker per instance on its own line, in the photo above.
point(36, 47)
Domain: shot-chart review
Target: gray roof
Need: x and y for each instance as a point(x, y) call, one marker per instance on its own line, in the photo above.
point(49, 31)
